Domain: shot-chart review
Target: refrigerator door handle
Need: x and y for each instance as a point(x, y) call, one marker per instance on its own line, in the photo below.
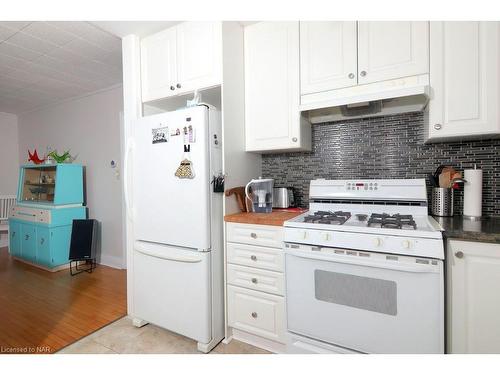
point(128, 150)
point(183, 259)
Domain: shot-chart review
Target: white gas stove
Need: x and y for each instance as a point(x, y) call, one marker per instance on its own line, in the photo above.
point(364, 269)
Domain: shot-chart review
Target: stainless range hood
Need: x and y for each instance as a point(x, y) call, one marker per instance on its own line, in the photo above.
point(359, 102)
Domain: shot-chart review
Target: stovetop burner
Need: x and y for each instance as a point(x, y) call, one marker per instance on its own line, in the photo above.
point(328, 217)
point(396, 221)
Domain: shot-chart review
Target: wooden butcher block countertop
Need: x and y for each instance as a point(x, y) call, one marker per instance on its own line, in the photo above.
point(277, 217)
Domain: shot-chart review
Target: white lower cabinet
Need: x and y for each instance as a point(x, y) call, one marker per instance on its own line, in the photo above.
point(259, 313)
point(473, 298)
point(256, 284)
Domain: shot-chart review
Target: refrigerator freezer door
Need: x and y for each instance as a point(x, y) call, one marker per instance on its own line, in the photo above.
point(168, 209)
point(171, 288)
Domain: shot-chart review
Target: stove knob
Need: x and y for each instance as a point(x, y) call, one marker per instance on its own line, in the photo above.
point(377, 241)
point(304, 235)
point(406, 244)
point(326, 236)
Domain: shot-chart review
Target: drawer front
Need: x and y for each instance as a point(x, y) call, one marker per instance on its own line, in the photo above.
point(30, 214)
point(255, 256)
point(256, 279)
point(258, 313)
point(43, 216)
point(259, 235)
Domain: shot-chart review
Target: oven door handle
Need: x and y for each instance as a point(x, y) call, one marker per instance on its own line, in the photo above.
point(391, 265)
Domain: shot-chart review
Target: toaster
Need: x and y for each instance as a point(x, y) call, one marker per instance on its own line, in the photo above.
point(283, 197)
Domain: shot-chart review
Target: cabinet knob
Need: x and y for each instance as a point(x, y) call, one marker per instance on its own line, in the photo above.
point(253, 235)
point(459, 254)
point(437, 126)
point(254, 280)
point(253, 257)
point(27, 237)
point(13, 234)
point(351, 75)
point(178, 85)
point(363, 73)
point(42, 241)
point(254, 315)
point(294, 139)
point(172, 88)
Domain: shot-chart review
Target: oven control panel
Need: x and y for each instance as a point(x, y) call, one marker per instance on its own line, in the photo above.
point(363, 186)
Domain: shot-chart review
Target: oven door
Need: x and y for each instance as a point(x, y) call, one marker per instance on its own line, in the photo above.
point(369, 302)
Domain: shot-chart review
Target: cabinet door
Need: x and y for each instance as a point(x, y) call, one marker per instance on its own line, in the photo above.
point(464, 79)
point(473, 298)
point(199, 55)
point(60, 239)
point(28, 242)
point(43, 255)
point(158, 65)
point(328, 56)
point(14, 238)
point(272, 87)
point(390, 50)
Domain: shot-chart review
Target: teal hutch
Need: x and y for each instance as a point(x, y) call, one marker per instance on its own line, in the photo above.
point(49, 197)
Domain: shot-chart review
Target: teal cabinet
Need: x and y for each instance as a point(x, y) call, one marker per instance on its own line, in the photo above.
point(28, 242)
point(49, 198)
point(15, 239)
point(43, 254)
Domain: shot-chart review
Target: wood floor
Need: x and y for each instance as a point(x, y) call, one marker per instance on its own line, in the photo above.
point(43, 312)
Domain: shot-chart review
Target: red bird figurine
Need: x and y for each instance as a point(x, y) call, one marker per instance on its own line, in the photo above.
point(34, 157)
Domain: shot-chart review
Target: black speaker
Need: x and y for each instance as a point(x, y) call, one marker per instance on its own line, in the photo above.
point(83, 239)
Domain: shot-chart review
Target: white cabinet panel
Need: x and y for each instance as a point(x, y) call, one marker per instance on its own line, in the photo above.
point(199, 55)
point(390, 50)
point(272, 88)
point(464, 80)
point(256, 279)
point(252, 234)
point(158, 65)
point(258, 313)
point(328, 56)
point(255, 256)
point(181, 59)
point(473, 299)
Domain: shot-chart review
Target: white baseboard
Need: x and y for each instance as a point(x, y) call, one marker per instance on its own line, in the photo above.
point(111, 261)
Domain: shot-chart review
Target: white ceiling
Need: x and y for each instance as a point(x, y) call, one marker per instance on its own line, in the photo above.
point(140, 28)
point(42, 63)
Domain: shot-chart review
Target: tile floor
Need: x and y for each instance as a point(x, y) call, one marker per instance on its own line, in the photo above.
point(121, 337)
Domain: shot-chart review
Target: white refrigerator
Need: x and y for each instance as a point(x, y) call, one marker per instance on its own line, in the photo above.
point(177, 270)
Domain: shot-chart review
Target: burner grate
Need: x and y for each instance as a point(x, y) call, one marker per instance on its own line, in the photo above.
point(328, 217)
point(396, 221)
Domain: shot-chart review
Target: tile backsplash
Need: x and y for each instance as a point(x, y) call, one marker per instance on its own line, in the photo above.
point(383, 147)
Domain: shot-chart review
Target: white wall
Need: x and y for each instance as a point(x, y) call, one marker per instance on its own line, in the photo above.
point(90, 128)
point(9, 162)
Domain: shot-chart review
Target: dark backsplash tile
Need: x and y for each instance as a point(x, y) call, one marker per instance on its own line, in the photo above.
point(383, 147)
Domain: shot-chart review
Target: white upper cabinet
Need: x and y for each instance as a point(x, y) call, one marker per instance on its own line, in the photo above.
point(181, 59)
point(473, 299)
point(199, 54)
point(328, 56)
point(158, 65)
point(272, 89)
point(345, 60)
point(464, 67)
point(391, 50)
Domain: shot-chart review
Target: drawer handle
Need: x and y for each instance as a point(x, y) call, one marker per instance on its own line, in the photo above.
point(254, 315)
point(253, 235)
point(13, 234)
point(254, 280)
point(459, 254)
point(42, 241)
point(27, 237)
point(253, 257)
